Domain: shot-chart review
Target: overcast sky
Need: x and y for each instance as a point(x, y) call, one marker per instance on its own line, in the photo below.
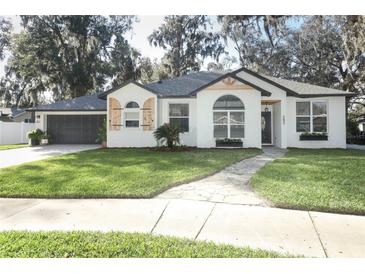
point(137, 38)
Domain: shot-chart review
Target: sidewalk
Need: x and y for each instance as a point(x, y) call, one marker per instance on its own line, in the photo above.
point(311, 234)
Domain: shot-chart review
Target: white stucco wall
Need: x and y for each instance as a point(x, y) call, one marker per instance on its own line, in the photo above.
point(186, 138)
point(205, 131)
point(132, 137)
point(336, 124)
point(277, 124)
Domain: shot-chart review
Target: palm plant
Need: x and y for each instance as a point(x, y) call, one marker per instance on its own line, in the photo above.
point(170, 134)
point(102, 135)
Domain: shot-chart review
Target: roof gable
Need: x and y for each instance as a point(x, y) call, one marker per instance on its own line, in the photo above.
point(235, 77)
point(288, 91)
point(104, 94)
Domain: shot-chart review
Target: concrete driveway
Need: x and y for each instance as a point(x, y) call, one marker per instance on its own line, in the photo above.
point(307, 233)
point(12, 157)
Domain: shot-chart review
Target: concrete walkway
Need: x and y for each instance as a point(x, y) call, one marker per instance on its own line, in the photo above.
point(230, 185)
point(305, 233)
point(12, 157)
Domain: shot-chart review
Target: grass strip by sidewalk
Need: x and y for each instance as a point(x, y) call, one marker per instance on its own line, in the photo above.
point(21, 244)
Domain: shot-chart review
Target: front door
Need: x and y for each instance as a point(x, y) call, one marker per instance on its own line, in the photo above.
point(266, 127)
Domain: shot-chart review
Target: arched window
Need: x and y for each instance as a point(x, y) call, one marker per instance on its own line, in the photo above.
point(227, 102)
point(131, 115)
point(229, 117)
point(132, 105)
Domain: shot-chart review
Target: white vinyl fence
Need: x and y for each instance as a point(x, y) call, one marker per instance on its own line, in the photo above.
point(15, 132)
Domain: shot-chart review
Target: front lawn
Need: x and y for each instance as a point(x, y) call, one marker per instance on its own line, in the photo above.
point(5, 147)
point(114, 172)
point(115, 245)
point(322, 179)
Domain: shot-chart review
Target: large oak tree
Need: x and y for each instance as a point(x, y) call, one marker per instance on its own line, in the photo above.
point(322, 50)
point(70, 55)
point(187, 42)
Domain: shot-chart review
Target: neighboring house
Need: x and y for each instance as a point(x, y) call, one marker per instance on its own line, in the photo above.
point(258, 109)
point(14, 115)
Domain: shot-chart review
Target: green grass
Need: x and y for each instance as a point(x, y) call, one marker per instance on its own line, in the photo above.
point(5, 147)
point(22, 244)
point(114, 172)
point(331, 180)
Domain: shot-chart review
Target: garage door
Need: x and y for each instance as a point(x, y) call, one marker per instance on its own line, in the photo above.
point(74, 129)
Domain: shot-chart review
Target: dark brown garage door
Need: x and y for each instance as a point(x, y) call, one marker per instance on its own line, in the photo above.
point(74, 129)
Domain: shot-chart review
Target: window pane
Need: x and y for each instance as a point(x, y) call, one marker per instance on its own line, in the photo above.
point(132, 123)
point(236, 117)
point(132, 105)
point(320, 124)
point(220, 117)
point(228, 102)
point(179, 110)
point(131, 115)
point(220, 131)
point(303, 108)
point(183, 123)
point(303, 124)
point(237, 131)
point(319, 108)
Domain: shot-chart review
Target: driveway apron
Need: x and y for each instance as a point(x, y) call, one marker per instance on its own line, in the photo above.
point(12, 157)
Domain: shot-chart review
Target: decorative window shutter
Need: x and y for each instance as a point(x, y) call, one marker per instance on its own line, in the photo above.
point(115, 114)
point(149, 114)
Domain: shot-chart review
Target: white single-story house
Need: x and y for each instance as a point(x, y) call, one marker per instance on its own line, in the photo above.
point(242, 105)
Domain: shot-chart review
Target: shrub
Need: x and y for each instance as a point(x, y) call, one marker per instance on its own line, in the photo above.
point(352, 128)
point(101, 137)
point(170, 134)
point(35, 134)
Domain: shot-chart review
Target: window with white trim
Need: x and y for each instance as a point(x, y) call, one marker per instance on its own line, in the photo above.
point(311, 116)
point(229, 117)
point(179, 116)
point(131, 115)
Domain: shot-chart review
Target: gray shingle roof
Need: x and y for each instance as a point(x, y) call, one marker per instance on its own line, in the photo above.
point(183, 85)
point(304, 88)
point(87, 102)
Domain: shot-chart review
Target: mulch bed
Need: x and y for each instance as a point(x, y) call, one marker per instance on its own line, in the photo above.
point(175, 149)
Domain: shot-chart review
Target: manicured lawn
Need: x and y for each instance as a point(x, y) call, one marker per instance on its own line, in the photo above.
point(5, 147)
point(322, 179)
point(115, 245)
point(114, 172)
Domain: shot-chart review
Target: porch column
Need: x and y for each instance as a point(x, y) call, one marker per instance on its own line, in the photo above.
point(283, 123)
